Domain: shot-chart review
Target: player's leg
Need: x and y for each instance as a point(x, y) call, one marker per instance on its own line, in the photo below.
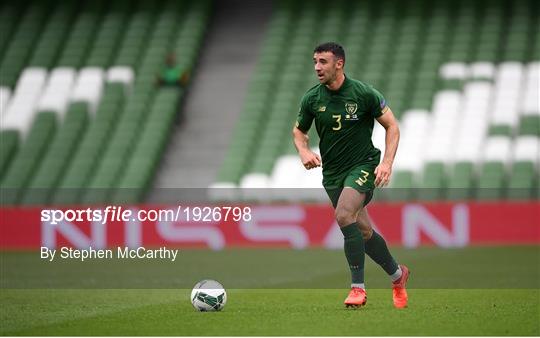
point(349, 203)
point(377, 250)
point(376, 247)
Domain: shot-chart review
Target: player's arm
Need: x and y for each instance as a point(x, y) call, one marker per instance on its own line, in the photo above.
point(309, 159)
point(384, 169)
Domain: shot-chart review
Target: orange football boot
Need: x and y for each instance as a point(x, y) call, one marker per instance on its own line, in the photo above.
point(357, 297)
point(399, 293)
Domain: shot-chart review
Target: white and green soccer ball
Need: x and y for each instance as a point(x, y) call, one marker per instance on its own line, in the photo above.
point(208, 295)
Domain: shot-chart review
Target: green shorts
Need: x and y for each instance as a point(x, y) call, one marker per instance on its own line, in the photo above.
point(360, 178)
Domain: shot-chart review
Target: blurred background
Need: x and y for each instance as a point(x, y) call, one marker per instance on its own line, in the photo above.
point(148, 103)
point(101, 96)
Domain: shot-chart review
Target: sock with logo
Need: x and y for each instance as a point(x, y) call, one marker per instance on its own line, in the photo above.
point(377, 250)
point(354, 251)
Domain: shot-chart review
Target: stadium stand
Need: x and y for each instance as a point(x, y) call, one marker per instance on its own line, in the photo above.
point(82, 118)
point(462, 77)
point(84, 122)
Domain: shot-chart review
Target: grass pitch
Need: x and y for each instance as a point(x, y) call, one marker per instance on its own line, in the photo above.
point(508, 306)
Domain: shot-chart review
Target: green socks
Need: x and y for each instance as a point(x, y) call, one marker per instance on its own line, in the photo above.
point(378, 251)
point(354, 251)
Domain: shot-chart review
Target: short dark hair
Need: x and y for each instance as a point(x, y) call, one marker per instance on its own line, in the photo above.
point(333, 47)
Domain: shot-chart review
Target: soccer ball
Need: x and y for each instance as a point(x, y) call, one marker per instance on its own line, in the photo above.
point(208, 295)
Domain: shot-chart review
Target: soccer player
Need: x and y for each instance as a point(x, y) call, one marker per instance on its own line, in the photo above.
point(344, 111)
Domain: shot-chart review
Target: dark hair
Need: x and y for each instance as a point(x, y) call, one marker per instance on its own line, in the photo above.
point(333, 47)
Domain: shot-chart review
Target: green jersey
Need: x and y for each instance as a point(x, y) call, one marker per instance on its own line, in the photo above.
point(344, 120)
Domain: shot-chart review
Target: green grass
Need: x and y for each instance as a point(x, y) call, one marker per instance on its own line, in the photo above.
point(472, 291)
point(433, 268)
point(269, 312)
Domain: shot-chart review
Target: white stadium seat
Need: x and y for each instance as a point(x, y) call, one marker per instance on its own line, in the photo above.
point(254, 180)
point(508, 92)
point(530, 104)
point(477, 98)
point(57, 92)
point(510, 118)
point(414, 130)
point(379, 137)
point(21, 109)
point(255, 186)
point(121, 74)
point(441, 131)
point(446, 101)
point(5, 94)
point(483, 70)
point(291, 181)
point(286, 178)
point(89, 87)
point(468, 141)
point(223, 191)
point(497, 148)
point(527, 148)
point(454, 70)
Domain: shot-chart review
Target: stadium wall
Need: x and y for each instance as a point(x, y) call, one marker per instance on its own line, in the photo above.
point(297, 226)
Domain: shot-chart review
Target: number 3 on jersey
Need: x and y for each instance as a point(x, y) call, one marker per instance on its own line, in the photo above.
point(338, 120)
point(361, 180)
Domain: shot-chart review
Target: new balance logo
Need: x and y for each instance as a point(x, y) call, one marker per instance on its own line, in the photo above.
point(322, 109)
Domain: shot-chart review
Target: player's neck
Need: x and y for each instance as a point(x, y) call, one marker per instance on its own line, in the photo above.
point(337, 83)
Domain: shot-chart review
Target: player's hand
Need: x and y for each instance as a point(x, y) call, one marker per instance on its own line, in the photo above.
point(382, 174)
point(310, 160)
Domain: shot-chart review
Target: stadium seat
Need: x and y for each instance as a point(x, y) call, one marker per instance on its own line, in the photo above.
point(24, 37)
point(460, 181)
point(5, 94)
point(9, 141)
point(527, 148)
point(433, 181)
point(493, 171)
point(25, 161)
point(415, 128)
point(454, 70)
point(523, 180)
point(88, 87)
point(530, 104)
point(122, 74)
point(55, 159)
point(402, 186)
point(255, 187)
point(56, 93)
point(482, 70)
point(21, 110)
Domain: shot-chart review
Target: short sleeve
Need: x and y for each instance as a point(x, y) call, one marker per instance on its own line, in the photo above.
point(378, 103)
point(305, 115)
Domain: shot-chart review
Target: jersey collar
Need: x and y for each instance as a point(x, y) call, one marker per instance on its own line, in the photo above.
point(344, 85)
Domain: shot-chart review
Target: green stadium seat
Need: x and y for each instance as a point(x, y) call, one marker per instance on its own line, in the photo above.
point(54, 162)
point(500, 130)
point(9, 142)
point(460, 181)
point(433, 182)
point(23, 165)
point(491, 181)
point(530, 125)
point(522, 181)
point(401, 187)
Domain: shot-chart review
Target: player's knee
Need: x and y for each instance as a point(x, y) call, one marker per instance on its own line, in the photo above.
point(366, 233)
point(344, 217)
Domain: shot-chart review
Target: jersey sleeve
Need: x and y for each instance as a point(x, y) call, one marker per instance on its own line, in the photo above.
point(305, 115)
point(378, 103)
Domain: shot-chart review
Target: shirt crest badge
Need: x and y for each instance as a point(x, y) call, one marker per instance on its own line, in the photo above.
point(351, 108)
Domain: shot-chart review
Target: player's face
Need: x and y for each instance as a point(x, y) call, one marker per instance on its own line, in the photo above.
point(326, 66)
